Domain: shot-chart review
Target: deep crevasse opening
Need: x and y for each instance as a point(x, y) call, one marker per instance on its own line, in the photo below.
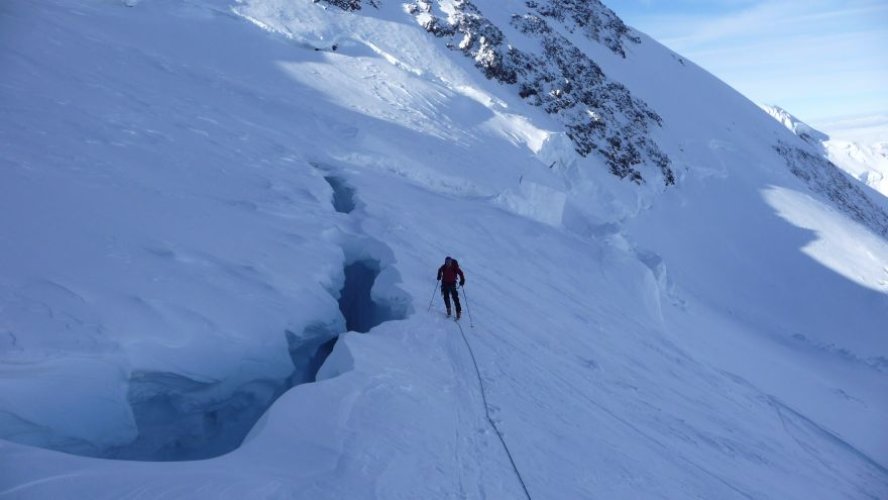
point(343, 194)
point(182, 419)
point(179, 418)
point(360, 311)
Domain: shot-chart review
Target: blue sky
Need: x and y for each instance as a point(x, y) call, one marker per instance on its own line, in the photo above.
point(818, 59)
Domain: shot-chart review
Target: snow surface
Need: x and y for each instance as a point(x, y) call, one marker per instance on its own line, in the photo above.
point(182, 194)
point(866, 162)
point(858, 146)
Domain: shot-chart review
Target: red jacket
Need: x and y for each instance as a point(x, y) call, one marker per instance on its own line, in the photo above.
point(448, 274)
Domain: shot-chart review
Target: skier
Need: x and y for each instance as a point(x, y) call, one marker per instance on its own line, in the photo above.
point(447, 275)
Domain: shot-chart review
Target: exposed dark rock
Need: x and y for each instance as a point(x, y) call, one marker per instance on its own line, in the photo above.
point(824, 177)
point(591, 17)
point(600, 116)
point(350, 5)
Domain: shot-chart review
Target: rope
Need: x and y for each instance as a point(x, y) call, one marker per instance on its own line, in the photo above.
point(487, 413)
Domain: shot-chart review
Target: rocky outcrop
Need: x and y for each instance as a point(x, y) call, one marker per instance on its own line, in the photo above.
point(822, 176)
point(348, 4)
point(600, 116)
point(595, 20)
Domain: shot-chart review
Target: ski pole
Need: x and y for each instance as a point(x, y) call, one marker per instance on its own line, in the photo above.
point(433, 296)
point(468, 309)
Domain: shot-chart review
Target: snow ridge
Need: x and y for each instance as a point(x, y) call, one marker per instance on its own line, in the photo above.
point(808, 133)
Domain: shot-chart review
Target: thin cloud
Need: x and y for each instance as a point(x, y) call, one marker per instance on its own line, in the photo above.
point(816, 58)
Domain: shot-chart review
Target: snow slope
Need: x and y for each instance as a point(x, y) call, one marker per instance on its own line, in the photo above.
point(184, 194)
point(861, 150)
point(798, 127)
point(868, 163)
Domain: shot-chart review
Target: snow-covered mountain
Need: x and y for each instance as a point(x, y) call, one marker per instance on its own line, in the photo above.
point(811, 135)
point(222, 220)
point(866, 161)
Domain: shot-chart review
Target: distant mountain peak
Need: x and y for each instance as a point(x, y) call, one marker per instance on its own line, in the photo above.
point(798, 127)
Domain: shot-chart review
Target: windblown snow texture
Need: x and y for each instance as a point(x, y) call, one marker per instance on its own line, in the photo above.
point(672, 294)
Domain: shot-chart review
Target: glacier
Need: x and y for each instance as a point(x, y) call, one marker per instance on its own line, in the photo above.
point(206, 202)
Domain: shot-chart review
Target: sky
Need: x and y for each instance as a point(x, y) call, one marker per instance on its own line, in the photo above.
point(825, 61)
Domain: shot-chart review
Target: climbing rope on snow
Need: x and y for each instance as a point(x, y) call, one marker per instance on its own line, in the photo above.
point(490, 420)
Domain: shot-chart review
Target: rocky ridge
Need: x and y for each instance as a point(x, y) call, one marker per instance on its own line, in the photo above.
point(601, 117)
point(824, 177)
